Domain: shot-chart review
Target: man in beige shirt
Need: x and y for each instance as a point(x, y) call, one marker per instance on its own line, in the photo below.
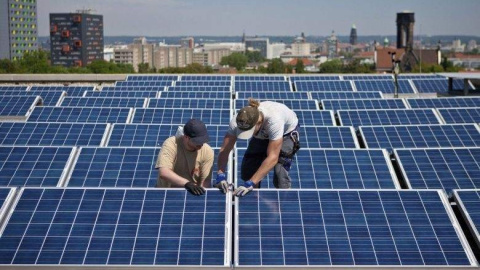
point(186, 160)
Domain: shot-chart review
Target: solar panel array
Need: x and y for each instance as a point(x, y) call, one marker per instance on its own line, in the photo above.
point(17, 106)
point(85, 184)
point(437, 85)
point(468, 202)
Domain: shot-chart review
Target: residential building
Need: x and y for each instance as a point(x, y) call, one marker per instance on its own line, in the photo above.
point(76, 38)
point(210, 57)
point(18, 28)
point(276, 50)
point(172, 56)
point(187, 43)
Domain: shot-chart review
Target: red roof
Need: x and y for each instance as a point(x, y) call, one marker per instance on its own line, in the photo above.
point(305, 61)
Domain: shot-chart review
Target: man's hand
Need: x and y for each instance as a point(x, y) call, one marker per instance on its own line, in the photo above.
point(194, 189)
point(245, 189)
point(221, 182)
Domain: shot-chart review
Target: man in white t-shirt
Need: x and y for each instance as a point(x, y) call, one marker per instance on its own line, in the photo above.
point(274, 128)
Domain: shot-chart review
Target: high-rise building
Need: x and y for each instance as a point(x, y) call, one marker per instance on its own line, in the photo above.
point(18, 28)
point(76, 38)
point(332, 45)
point(258, 44)
point(353, 35)
point(405, 23)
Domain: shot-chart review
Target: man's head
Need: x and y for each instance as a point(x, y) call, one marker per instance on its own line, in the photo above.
point(195, 133)
point(247, 120)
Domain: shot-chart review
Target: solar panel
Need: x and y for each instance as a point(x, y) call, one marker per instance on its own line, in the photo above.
point(321, 137)
point(441, 168)
point(437, 85)
point(133, 88)
point(203, 83)
point(80, 115)
point(196, 94)
point(180, 117)
point(72, 91)
point(294, 104)
point(368, 77)
point(361, 228)
point(358, 118)
point(345, 95)
point(316, 118)
point(34, 166)
point(385, 86)
point(335, 168)
point(457, 102)
point(359, 104)
point(52, 134)
point(205, 78)
point(49, 98)
point(226, 89)
point(259, 78)
point(420, 136)
point(313, 86)
point(142, 85)
point(254, 86)
point(104, 102)
point(418, 76)
point(18, 106)
point(122, 94)
point(468, 202)
point(117, 227)
point(152, 78)
point(12, 88)
point(152, 135)
point(189, 103)
point(460, 115)
point(314, 78)
point(272, 95)
point(6, 194)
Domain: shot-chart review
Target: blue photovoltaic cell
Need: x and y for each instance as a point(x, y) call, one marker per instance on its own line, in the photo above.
point(421, 136)
point(152, 78)
point(294, 104)
point(456, 102)
point(321, 137)
point(315, 118)
point(259, 78)
point(335, 168)
point(385, 86)
point(49, 98)
point(152, 135)
point(12, 88)
point(4, 192)
point(115, 167)
point(460, 115)
point(33, 166)
point(51, 134)
point(143, 84)
point(180, 117)
point(314, 78)
point(113, 227)
point(362, 104)
point(184, 103)
point(348, 228)
point(72, 91)
point(197, 94)
point(205, 78)
point(358, 118)
point(345, 95)
point(79, 115)
point(203, 83)
point(368, 77)
point(254, 86)
point(226, 89)
point(469, 202)
point(313, 86)
point(441, 168)
point(103, 102)
point(122, 94)
point(16, 105)
point(437, 85)
point(133, 88)
point(272, 95)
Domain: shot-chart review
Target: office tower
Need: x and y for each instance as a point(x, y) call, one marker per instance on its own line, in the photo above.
point(353, 35)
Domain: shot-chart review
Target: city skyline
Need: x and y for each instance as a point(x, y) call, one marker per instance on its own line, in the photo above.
point(232, 18)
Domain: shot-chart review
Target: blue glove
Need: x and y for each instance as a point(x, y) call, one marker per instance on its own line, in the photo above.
point(221, 182)
point(245, 189)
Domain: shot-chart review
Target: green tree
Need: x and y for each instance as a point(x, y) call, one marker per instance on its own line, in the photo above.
point(103, 67)
point(236, 60)
point(254, 57)
point(332, 66)
point(448, 66)
point(356, 67)
point(34, 62)
point(299, 67)
point(7, 66)
point(143, 68)
point(276, 66)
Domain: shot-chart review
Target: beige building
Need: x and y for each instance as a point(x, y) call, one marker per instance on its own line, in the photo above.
point(301, 48)
point(210, 57)
point(172, 56)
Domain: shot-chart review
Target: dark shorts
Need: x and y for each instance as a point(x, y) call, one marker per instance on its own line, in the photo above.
point(257, 152)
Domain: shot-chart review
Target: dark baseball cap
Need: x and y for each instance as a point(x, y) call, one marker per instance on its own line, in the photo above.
point(197, 131)
point(246, 119)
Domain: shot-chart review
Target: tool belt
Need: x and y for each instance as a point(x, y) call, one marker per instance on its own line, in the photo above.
point(295, 137)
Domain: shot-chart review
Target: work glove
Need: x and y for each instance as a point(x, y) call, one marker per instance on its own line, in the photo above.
point(194, 189)
point(244, 189)
point(221, 182)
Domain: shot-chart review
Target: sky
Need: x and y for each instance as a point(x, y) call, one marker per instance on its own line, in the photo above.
point(269, 17)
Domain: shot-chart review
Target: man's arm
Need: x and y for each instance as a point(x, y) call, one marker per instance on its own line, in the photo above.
point(206, 169)
point(169, 175)
point(228, 143)
point(273, 152)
